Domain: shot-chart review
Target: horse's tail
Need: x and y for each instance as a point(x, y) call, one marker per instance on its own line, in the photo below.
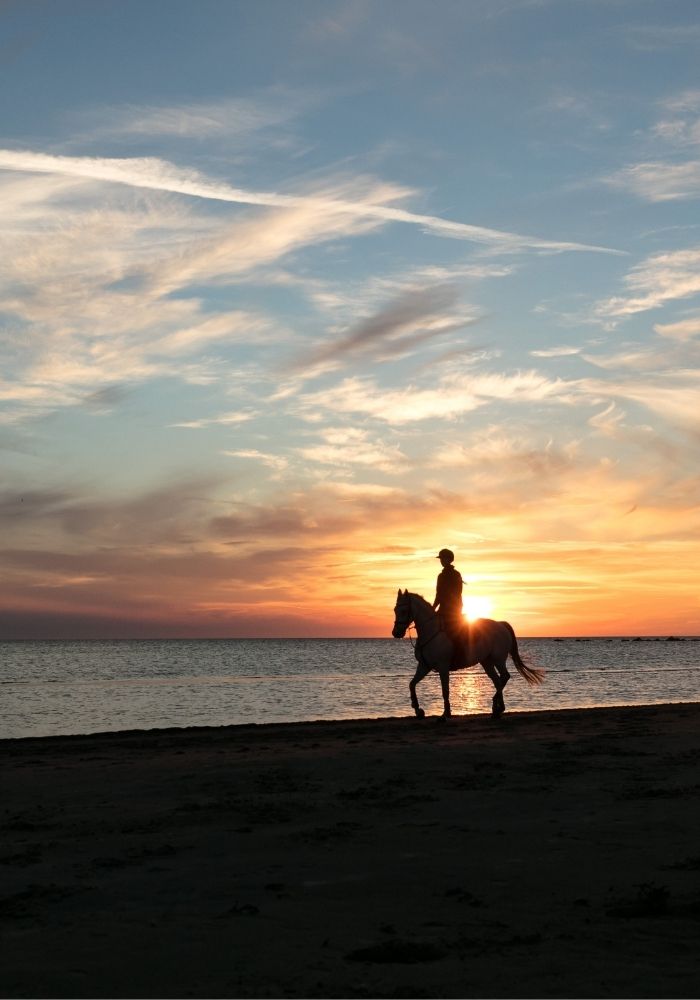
point(533, 675)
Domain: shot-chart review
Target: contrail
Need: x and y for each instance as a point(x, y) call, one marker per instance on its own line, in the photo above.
point(159, 175)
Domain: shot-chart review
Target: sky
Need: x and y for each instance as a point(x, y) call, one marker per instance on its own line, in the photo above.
point(293, 295)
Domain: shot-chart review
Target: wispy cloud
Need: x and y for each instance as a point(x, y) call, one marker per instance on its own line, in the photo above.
point(670, 175)
point(454, 394)
point(225, 116)
point(231, 419)
point(685, 101)
point(658, 181)
point(491, 450)
point(683, 330)
point(414, 318)
point(562, 351)
point(672, 395)
point(273, 461)
point(157, 174)
point(661, 278)
point(349, 446)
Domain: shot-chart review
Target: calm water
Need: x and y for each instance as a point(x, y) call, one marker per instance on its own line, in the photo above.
point(49, 688)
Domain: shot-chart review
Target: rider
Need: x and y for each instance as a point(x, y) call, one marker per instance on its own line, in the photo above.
point(448, 600)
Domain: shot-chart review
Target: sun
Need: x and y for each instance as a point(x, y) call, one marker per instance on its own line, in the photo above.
point(475, 607)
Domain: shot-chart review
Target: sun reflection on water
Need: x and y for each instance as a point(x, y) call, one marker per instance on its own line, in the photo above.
point(466, 692)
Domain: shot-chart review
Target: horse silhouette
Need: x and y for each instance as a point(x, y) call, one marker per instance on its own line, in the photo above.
point(485, 641)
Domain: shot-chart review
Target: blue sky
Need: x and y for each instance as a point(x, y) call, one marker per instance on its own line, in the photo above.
point(294, 294)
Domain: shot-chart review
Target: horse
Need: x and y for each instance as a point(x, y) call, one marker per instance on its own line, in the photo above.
point(486, 642)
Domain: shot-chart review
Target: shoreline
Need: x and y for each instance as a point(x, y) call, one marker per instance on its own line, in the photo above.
point(221, 730)
point(545, 854)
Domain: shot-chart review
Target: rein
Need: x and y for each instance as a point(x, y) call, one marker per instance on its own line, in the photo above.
point(410, 637)
point(421, 645)
point(427, 642)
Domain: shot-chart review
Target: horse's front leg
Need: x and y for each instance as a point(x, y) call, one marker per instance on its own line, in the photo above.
point(421, 671)
point(445, 685)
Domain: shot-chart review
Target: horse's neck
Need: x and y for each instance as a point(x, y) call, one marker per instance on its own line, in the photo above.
point(424, 615)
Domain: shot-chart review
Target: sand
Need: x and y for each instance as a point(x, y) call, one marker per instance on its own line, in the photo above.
point(552, 854)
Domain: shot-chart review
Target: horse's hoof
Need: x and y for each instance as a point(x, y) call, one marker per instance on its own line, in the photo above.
point(420, 713)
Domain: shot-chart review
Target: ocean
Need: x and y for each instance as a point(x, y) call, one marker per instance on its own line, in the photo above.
point(54, 688)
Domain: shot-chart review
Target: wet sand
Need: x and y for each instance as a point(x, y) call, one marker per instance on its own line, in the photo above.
point(552, 854)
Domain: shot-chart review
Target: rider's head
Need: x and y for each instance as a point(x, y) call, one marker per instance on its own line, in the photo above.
point(446, 556)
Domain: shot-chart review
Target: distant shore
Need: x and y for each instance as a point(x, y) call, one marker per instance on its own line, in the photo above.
point(549, 854)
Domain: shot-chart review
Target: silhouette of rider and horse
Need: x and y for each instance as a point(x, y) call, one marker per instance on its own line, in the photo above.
point(445, 642)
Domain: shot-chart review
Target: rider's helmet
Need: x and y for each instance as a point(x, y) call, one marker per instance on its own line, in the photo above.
point(447, 553)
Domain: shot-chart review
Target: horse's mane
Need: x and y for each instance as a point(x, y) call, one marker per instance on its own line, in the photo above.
point(419, 597)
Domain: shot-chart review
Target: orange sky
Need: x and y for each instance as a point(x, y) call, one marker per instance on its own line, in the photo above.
point(286, 309)
point(332, 562)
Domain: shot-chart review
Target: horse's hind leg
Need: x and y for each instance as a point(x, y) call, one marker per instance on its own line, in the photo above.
point(421, 671)
point(445, 685)
point(503, 674)
point(499, 678)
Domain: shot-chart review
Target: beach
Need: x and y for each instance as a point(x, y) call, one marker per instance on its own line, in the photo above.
point(548, 854)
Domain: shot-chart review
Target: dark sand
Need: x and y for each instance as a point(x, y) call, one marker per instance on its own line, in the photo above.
point(554, 854)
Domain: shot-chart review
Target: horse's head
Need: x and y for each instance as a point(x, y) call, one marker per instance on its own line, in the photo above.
point(403, 614)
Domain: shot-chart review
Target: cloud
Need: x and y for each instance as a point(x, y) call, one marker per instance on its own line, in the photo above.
point(236, 249)
point(106, 399)
point(86, 291)
point(455, 394)
point(232, 418)
point(659, 181)
point(652, 358)
point(686, 101)
point(671, 394)
point(611, 423)
point(297, 558)
point(227, 116)
point(346, 446)
point(665, 179)
point(683, 330)
point(661, 278)
point(156, 518)
point(93, 338)
point(683, 128)
point(157, 174)
point(410, 320)
point(494, 449)
point(277, 462)
point(563, 351)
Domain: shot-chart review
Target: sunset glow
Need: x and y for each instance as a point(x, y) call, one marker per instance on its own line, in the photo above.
point(477, 607)
point(292, 302)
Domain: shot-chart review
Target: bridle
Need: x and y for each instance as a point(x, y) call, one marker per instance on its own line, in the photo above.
point(407, 623)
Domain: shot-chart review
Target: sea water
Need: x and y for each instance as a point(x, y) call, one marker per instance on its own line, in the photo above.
point(53, 688)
